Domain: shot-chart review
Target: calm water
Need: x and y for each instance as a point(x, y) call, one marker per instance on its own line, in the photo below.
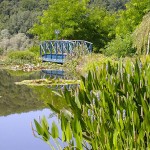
point(16, 132)
point(19, 106)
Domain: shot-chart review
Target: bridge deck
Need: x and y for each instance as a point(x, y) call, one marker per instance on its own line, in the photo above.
point(57, 58)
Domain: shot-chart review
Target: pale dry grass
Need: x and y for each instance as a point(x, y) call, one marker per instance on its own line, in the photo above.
point(141, 34)
point(87, 62)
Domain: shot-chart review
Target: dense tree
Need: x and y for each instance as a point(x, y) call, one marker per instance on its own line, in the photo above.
point(75, 20)
point(132, 16)
point(13, 13)
point(19, 15)
point(22, 21)
point(111, 5)
point(115, 5)
point(17, 42)
point(127, 21)
point(97, 21)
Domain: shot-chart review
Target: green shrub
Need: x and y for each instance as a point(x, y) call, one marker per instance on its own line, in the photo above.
point(24, 56)
point(120, 47)
point(16, 42)
point(1, 51)
point(35, 50)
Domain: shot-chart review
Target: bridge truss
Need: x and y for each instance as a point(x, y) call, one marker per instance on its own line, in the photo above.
point(58, 50)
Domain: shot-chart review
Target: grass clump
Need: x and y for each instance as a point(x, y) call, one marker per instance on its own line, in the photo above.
point(21, 57)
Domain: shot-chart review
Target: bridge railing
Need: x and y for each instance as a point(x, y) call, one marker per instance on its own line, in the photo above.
point(59, 49)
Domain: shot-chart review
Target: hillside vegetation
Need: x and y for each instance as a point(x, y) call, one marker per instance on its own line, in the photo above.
point(19, 16)
point(112, 26)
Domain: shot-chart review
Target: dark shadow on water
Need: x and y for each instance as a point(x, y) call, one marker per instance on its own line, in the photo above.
point(14, 98)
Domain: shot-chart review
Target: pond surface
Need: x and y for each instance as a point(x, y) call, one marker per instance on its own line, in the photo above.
point(16, 133)
point(20, 105)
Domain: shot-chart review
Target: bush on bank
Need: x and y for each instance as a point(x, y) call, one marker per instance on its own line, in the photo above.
point(120, 47)
point(21, 56)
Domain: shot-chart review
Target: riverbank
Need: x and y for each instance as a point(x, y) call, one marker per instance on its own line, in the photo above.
point(80, 65)
point(27, 66)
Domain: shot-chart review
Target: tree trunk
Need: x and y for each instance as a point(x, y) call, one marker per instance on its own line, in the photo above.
point(148, 43)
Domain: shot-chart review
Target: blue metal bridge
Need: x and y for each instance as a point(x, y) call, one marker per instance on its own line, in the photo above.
point(57, 50)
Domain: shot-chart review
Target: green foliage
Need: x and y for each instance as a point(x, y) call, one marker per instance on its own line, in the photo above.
point(1, 51)
point(120, 47)
point(54, 130)
point(127, 22)
point(132, 16)
point(19, 16)
point(17, 42)
point(42, 129)
point(62, 19)
point(111, 5)
point(25, 56)
point(87, 62)
point(111, 108)
point(35, 50)
point(77, 22)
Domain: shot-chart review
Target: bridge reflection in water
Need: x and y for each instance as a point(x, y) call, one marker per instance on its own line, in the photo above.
point(58, 74)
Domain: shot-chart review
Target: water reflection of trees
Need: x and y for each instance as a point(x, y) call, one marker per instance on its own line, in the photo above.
point(16, 99)
point(20, 98)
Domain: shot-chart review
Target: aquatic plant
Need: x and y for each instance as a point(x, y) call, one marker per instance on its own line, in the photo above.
point(42, 82)
point(110, 110)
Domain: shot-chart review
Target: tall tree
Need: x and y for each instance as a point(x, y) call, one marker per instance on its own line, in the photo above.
point(75, 20)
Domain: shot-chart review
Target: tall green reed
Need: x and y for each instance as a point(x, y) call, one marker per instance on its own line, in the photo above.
point(110, 110)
